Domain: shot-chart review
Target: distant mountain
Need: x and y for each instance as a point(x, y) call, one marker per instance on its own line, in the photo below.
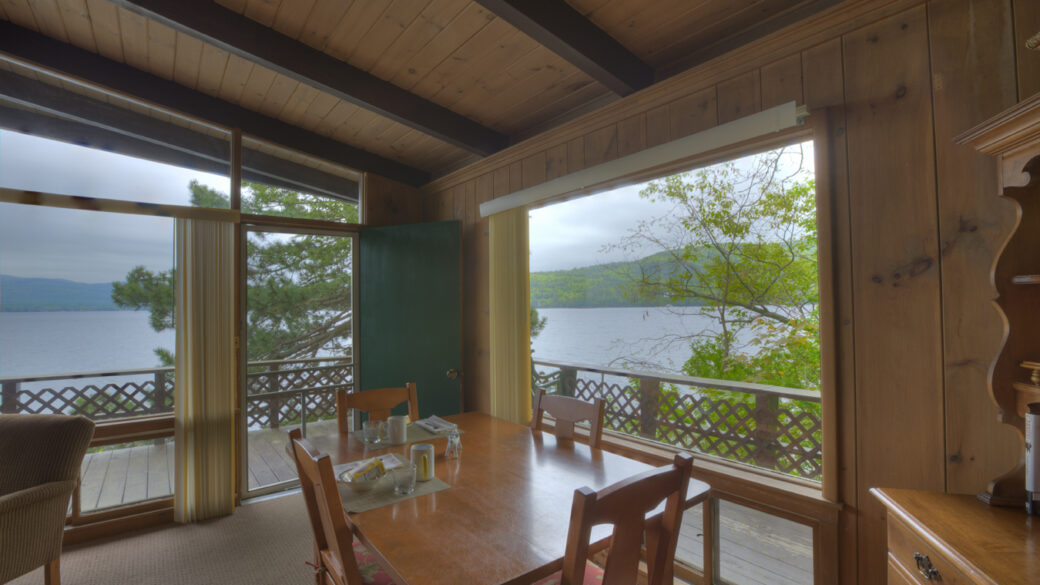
point(605, 285)
point(53, 294)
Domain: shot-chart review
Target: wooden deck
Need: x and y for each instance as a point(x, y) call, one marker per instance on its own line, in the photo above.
point(756, 548)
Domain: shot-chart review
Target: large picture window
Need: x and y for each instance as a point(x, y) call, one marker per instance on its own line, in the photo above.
point(690, 303)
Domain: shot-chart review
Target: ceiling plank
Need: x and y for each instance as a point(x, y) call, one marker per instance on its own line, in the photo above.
point(254, 42)
point(96, 124)
point(564, 31)
point(747, 36)
point(28, 46)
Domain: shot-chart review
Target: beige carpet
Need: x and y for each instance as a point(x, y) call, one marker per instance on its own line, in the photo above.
point(262, 543)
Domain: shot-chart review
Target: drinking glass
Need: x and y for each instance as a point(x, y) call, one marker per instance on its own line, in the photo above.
point(404, 478)
point(371, 431)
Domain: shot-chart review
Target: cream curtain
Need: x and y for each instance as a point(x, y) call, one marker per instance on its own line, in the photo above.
point(510, 317)
point(204, 403)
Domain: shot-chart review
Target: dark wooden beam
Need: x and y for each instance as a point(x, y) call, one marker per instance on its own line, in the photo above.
point(564, 31)
point(34, 48)
point(212, 23)
point(81, 120)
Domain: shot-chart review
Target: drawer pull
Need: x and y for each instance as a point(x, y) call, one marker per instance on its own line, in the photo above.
point(924, 566)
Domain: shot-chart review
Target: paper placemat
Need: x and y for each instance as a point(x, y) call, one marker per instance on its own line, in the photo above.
point(383, 493)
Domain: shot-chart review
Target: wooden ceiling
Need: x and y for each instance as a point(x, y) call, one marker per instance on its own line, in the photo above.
point(406, 88)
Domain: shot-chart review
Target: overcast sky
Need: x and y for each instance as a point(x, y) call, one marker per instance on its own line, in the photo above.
point(580, 232)
point(86, 246)
point(92, 247)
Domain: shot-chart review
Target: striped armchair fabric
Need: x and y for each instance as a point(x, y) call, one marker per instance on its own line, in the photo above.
point(40, 458)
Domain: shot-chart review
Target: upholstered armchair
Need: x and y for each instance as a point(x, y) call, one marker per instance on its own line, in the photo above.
point(40, 458)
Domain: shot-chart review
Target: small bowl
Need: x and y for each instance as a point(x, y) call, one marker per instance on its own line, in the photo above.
point(360, 486)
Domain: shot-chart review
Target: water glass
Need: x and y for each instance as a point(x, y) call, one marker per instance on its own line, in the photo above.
point(404, 478)
point(370, 428)
point(454, 447)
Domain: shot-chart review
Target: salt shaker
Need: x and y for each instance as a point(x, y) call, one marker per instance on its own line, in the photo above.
point(454, 445)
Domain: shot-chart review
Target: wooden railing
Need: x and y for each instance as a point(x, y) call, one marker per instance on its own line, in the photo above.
point(278, 392)
point(767, 426)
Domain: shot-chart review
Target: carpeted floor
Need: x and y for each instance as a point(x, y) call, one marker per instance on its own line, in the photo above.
point(262, 543)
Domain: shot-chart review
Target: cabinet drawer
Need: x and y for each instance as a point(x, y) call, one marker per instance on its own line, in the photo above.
point(903, 545)
point(897, 574)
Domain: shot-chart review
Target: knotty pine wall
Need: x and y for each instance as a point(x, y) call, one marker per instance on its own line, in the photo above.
point(917, 331)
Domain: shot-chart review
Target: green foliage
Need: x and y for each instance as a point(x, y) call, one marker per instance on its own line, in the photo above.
point(606, 285)
point(298, 288)
point(741, 240)
point(537, 322)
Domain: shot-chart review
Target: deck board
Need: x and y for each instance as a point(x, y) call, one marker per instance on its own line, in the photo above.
point(756, 549)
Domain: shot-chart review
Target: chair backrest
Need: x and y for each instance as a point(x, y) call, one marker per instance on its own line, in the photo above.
point(377, 403)
point(568, 411)
point(333, 533)
point(40, 448)
point(625, 505)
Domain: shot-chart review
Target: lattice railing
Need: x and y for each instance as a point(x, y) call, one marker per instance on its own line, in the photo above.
point(278, 392)
point(766, 426)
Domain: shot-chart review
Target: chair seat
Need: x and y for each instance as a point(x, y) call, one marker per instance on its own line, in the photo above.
point(593, 576)
point(371, 571)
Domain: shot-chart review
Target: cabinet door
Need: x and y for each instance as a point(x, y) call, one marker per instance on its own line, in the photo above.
point(409, 323)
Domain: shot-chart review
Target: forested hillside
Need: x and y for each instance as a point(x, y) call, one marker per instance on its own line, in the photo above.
point(54, 294)
point(607, 285)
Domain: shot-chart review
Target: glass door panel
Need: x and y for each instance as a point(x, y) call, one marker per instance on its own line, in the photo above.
point(299, 338)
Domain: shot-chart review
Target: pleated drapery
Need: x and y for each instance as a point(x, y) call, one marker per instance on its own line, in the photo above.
point(510, 316)
point(204, 401)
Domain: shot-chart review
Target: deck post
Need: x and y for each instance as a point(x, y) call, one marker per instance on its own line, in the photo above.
point(160, 394)
point(649, 405)
point(10, 397)
point(568, 381)
point(274, 411)
point(767, 429)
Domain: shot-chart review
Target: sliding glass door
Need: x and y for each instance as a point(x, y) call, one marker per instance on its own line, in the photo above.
point(299, 344)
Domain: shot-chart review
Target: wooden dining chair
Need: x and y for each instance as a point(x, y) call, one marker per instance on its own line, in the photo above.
point(377, 403)
point(625, 505)
point(339, 558)
point(568, 411)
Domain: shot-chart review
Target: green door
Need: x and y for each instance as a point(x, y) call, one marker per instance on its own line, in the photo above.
point(409, 320)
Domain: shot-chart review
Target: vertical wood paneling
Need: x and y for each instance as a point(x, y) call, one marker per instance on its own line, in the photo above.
point(387, 202)
point(1027, 24)
point(823, 86)
point(693, 113)
point(740, 96)
point(658, 126)
point(576, 154)
point(516, 176)
point(896, 270)
point(477, 375)
point(824, 90)
point(556, 162)
point(601, 146)
point(533, 170)
point(782, 82)
point(969, 87)
point(631, 135)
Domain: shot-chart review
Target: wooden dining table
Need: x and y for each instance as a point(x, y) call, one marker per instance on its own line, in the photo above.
point(505, 516)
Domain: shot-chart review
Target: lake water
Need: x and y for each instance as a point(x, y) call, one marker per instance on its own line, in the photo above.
point(638, 338)
point(61, 342)
point(35, 344)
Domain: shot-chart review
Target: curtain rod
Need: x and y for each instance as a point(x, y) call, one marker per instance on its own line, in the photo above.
point(765, 122)
point(23, 197)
